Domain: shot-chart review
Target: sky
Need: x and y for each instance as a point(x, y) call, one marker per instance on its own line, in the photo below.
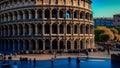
point(105, 8)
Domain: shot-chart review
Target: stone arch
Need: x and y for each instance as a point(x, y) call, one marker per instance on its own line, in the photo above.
point(15, 15)
point(39, 13)
point(75, 45)
point(10, 29)
point(54, 13)
point(69, 14)
point(61, 13)
point(26, 12)
point(76, 14)
point(82, 14)
point(26, 27)
point(32, 12)
point(54, 28)
point(20, 29)
point(54, 44)
point(91, 29)
point(32, 29)
point(62, 44)
point(15, 29)
point(10, 16)
point(21, 44)
point(27, 44)
point(47, 44)
point(68, 29)
point(68, 44)
point(16, 45)
point(47, 28)
point(20, 15)
point(6, 16)
point(39, 27)
point(61, 29)
point(40, 44)
point(75, 29)
point(81, 44)
point(47, 13)
point(87, 29)
point(33, 47)
point(87, 16)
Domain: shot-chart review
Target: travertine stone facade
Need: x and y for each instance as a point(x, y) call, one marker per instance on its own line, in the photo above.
point(34, 25)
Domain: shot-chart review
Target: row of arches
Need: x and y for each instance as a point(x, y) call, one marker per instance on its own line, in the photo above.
point(37, 29)
point(17, 45)
point(44, 14)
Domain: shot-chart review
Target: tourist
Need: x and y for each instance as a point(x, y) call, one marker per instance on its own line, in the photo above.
point(69, 60)
point(34, 61)
point(52, 61)
point(30, 60)
point(15, 65)
point(86, 52)
point(77, 60)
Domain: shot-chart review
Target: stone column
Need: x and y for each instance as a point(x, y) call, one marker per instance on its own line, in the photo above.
point(43, 14)
point(43, 29)
point(58, 28)
point(65, 44)
point(43, 44)
point(84, 44)
point(24, 46)
point(78, 29)
point(78, 44)
point(36, 45)
point(18, 32)
point(36, 15)
point(36, 29)
point(58, 45)
point(18, 45)
point(51, 45)
point(13, 30)
point(72, 45)
point(13, 46)
point(58, 13)
point(30, 14)
point(13, 16)
point(4, 17)
point(24, 15)
point(50, 29)
point(50, 13)
point(18, 15)
point(30, 45)
point(30, 29)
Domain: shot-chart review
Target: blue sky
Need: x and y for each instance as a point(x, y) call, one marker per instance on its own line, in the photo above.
point(105, 8)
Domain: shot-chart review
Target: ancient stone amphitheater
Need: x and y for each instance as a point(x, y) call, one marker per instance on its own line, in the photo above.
point(46, 25)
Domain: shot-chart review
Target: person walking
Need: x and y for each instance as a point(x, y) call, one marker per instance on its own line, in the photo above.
point(52, 61)
point(34, 61)
point(69, 60)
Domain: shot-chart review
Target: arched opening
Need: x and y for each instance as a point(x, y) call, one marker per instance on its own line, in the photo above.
point(10, 45)
point(6, 16)
point(54, 44)
point(54, 13)
point(47, 13)
point(87, 29)
point(82, 14)
point(61, 13)
point(87, 16)
point(47, 28)
point(26, 27)
point(32, 29)
point(10, 16)
point(75, 29)
point(15, 29)
point(20, 29)
point(62, 44)
point(6, 30)
point(33, 47)
point(16, 45)
point(68, 29)
point(20, 15)
point(47, 44)
point(15, 15)
point(75, 14)
point(54, 28)
point(27, 44)
point(40, 43)
point(39, 27)
point(10, 29)
point(32, 14)
point(26, 14)
point(21, 44)
point(68, 14)
point(39, 13)
point(61, 29)
point(6, 45)
point(68, 45)
point(75, 44)
point(81, 44)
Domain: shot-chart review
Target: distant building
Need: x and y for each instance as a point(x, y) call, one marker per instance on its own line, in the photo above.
point(117, 20)
point(108, 22)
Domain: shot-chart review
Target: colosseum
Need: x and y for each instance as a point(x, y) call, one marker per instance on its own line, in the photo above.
point(46, 25)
